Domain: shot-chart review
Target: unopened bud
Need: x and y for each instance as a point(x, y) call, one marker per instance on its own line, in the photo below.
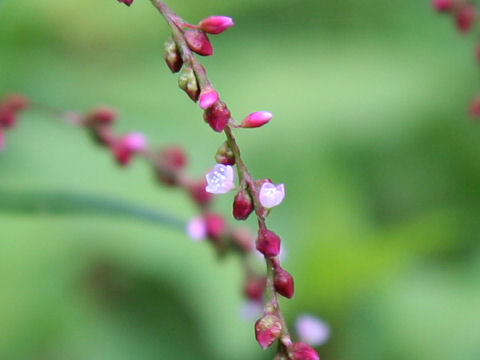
point(198, 193)
point(283, 283)
point(8, 117)
point(126, 2)
point(121, 154)
point(442, 5)
point(255, 288)
point(188, 83)
point(15, 102)
point(173, 157)
point(267, 330)
point(217, 116)
point(268, 243)
point(172, 56)
point(216, 24)
point(466, 17)
point(3, 140)
point(475, 107)
point(208, 97)
point(242, 205)
point(198, 41)
point(225, 155)
point(257, 119)
point(303, 351)
point(216, 226)
point(101, 116)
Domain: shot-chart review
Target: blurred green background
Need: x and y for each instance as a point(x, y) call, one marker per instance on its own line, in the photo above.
point(382, 167)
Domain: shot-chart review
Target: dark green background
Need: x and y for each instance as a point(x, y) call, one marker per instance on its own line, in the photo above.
point(381, 163)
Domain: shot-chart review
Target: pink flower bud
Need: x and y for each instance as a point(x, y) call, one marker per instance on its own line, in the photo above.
point(216, 24)
point(268, 243)
point(216, 226)
point(187, 81)
point(466, 17)
point(257, 119)
point(121, 154)
point(302, 351)
point(267, 330)
point(225, 155)
point(8, 117)
point(102, 116)
point(126, 2)
point(198, 193)
point(255, 287)
point(3, 140)
point(442, 5)
point(198, 41)
point(217, 116)
point(475, 107)
point(242, 205)
point(208, 97)
point(283, 283)
point(135, 142)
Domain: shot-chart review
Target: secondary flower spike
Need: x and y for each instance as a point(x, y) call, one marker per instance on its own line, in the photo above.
point(216, 24)
point(220, 179)
point(271, 195)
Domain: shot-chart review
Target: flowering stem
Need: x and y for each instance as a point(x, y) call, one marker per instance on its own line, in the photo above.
point(272, 264)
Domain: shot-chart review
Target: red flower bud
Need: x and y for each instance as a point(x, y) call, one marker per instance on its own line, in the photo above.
point(173, 157)
point(198, 193)
point(268, 243)
point(442, 5)
point(216, 226)
point(302, 351)
point(217, 116)
point(15, 102)
point(475, 107)
point(2, 139)
point(198, 41)
point(257, 119)
point(466, 17)
point(225, 155)
point(283, 283)
point(102, 116)
point(255, 288)
point(216, 24)
point(242, 205)
point(121, 154)
point(126, 2)
point(8, 117)
point(267, 330)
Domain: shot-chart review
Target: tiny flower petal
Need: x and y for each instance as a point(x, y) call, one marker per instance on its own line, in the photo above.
point(220, 179)
point(207, 98)
point(197, 229)
point(271, 195)
point(312, 330)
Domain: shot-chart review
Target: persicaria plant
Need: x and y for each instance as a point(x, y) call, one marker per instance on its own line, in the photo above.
point(254, 197)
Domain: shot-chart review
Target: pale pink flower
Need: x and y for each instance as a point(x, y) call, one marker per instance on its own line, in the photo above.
point(271, 195)
point(197, 229)
point(312, 330)
point(220, 179)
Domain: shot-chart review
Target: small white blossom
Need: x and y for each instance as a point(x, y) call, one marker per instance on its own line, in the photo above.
point(197, 229)
point(312, 330)
point(220, 179)
point(271, 195)
point(251, 310)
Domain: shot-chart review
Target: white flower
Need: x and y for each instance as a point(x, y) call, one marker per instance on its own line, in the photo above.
point(220, 179)
point(197, 229)
point(251, 310)
point(312, 330)
point(271, 195)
